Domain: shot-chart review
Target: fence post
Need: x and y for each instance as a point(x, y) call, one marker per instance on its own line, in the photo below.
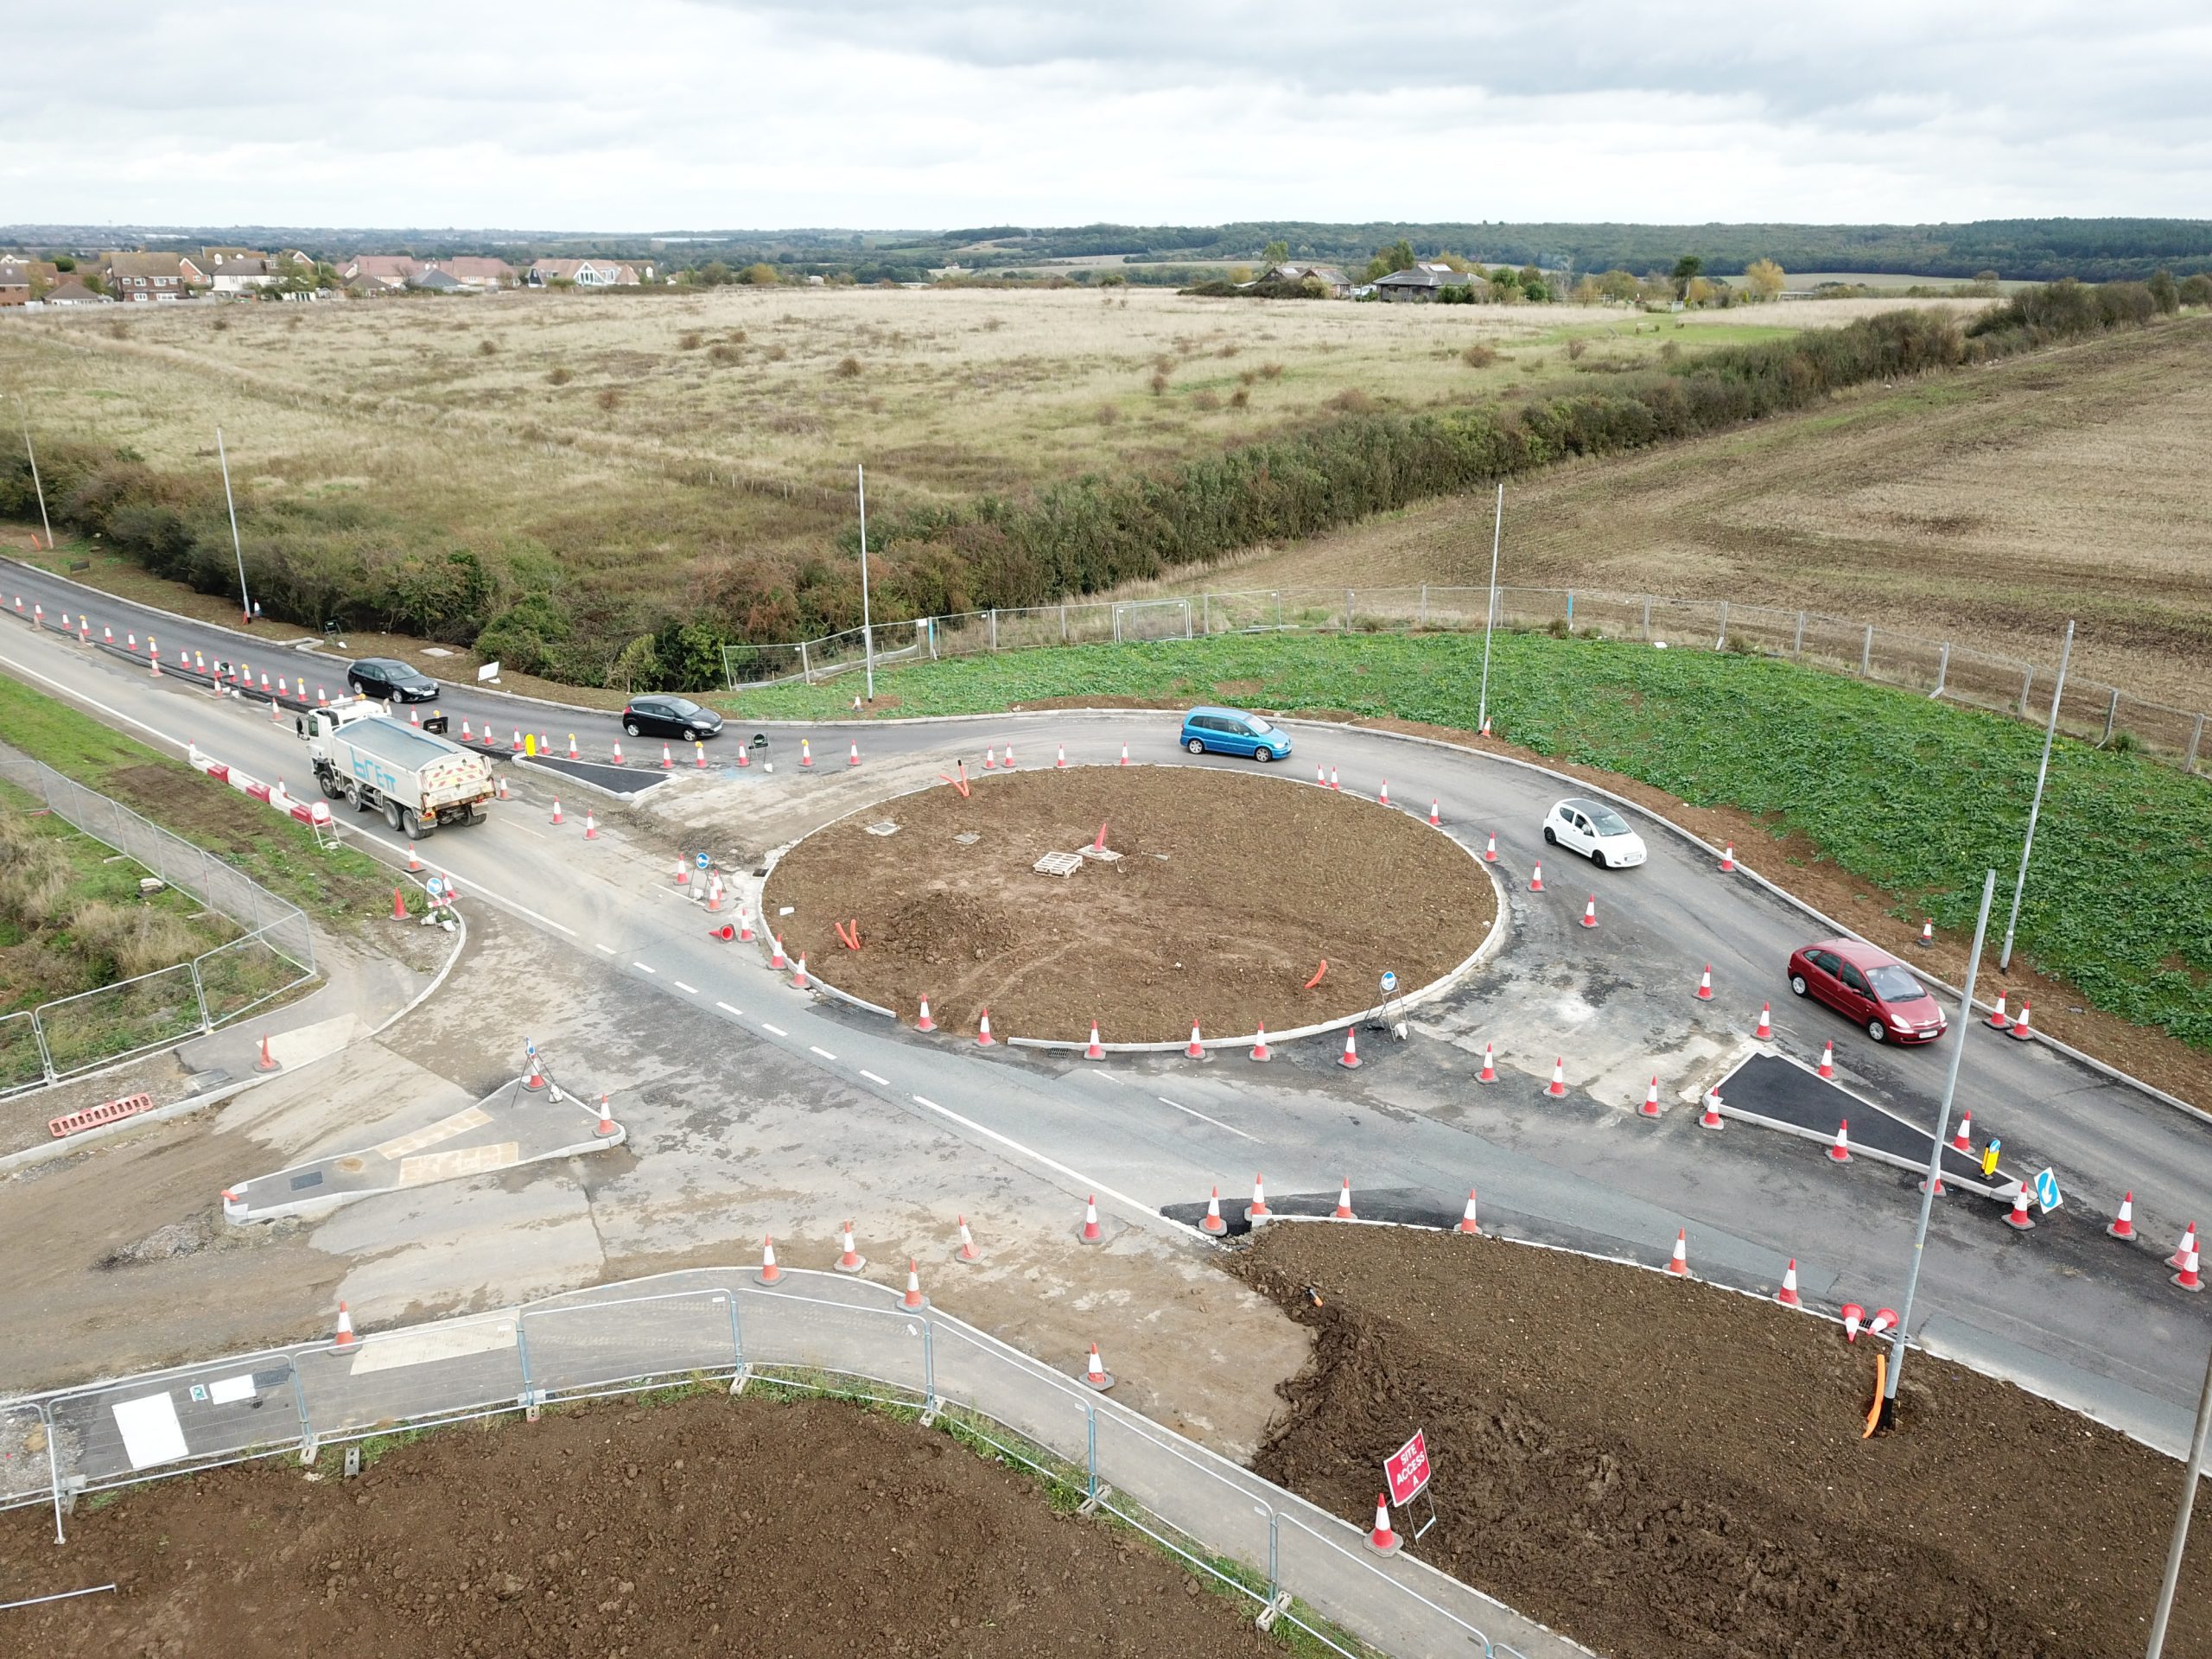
point(805, 668)
point(1347, 610)
point(2112, 714)
point(1064, 621)
point(1091, 1453)
point(522, 1353)
point(2196, 736)
point(1942, 670)
point(1798, 648)
point(1867, 652)
point(1274, 1554)
point(54, 1469)
point(45, 1054)
point(1277, 597)
point(1117, 622)
point(1424, 605)
point(2027, 682)
point(1647, 618)
point(736, 1335)
point(308, 1437)
point(1721, 644)
point(994, 627)
point(199, 995)
point(933, 638)
point(929, 1368)
point(1186, 619)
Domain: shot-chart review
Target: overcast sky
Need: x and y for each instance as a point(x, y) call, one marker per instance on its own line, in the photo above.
point(638, 115)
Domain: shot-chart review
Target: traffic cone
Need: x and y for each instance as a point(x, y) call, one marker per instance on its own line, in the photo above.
point(1489, 1073)
point(1590, 912)
point(1963, 1140)
point(1091, 1232)
point(1334, 784)
point(2187, 1243)
point(1997, 1020)
point(1839, 1152)
point(798, 974)
point(966, 1252)
point(556, 809)
point(1344, 1202)
point(983, 1038)
point(1886, 1318)
point(618, 751)
point(1928, 933)
point(1194, 1049)
point(725, 932)
point(667, 760)
point(699, 755)
point(744, 920)
point(414, 864)
point(466, 736)
point(591, 826)
point(1485, 730)
point(1094, 1372)
point(1827, 1061)
point(516, 746)
point(713, 894)
point(398, 905)
point(1679, 1263)
point(153, 656)
point(1705, 984)
point(1060, 760)
point(1467, 1217)
point(1212, 1223)
point(1320, 776)
point(2123, 1225)
point(2187, 1279)
point(1853, 1317)
point(268, 1061)
point(2020, 1031)
point(1006, 761)
point(990, 759)
point(1489, 853)
point(345, 1337)
point(1728, 858)
point(1384, 799)
point(502, 782)
point(1650, 1106)
point(852, 757)
point(776, 953)
point(1711, 1119)
point(1259, 1050)
point(1536, 877)
point(805, 753)
point(1349, 1059)
point(1382, 1540)
point(414, 715)
point(273, 712)
point(851, 1261)
point(744, 755)
point(1788, 1294)
point(1125, 754)
point(1766, 1022)
point(1096, 1050)
point(1258, 1210)
point(2019, 1221)
point(1435, 821)
point(770, 1273)
point(573, 754)
point(1557, 1087)
point(682, 874)
point(606, 1123)
point(922, 1020)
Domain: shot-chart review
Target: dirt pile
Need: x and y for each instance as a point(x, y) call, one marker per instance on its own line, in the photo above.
point(1231, 889)
point(1661, 1469)
point(702, 1527)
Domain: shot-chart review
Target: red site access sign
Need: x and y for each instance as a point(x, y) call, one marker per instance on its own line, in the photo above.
point(1407, 1470)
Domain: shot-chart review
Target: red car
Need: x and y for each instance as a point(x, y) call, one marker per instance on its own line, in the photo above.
point(1871, 986)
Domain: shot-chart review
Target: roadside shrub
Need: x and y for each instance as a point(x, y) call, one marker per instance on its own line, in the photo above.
point(689, 340)
point(724, 353)
point(1108, 414)
point(560, 377)
point(1206, 400)
point(1270, 371)
point(1240, 398)
point(608, 398)
point(1575, 347)
point(1353, 401)
point(487, 347)
point(1159, 383)
point(1479, 355)
point(848, 368)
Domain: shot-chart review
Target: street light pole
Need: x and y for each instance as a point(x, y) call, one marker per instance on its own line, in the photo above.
point(867, 629)
point(2189, 1480)
point(2020, 887)
point(245, 601)
point(36, 485)
point(1489, 615)
point(1935, 1157)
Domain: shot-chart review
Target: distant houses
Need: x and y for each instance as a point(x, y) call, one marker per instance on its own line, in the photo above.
point(392, 273)
point(152, 279)
point(1421, 283)
point(587, 273)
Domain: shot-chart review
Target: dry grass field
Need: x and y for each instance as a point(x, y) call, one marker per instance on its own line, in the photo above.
point(1986, 507)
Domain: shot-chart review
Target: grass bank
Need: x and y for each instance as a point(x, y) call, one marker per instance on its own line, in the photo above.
point(1913, 797)
point(337, 885)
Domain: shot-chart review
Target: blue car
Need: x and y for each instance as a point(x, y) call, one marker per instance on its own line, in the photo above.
point(1231, 731)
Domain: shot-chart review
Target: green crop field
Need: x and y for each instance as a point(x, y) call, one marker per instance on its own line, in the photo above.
point(1916, 797)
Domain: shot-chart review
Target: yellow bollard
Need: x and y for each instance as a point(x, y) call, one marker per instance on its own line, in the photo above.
point(530, 743)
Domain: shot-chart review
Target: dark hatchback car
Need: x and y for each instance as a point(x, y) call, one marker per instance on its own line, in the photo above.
point(389, 680)
point(667, 716)
point(1868, 986)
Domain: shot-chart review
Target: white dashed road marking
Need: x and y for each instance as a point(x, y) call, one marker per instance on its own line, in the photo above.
point(644, 969)
point(1203, 1118)
point(823, 1052)
point(608, 947)
point(726, 1008)
point(1031, 1154)
point(776, 1031)
point(872, 1078)
point(689, 990)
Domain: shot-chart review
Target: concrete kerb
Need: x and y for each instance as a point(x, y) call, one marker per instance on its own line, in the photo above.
point(620, 797)
point(1857, 1149)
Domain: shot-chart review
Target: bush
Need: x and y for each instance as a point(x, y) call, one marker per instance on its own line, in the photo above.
point(1479, 355)
point(560, 377)
point(848, 368)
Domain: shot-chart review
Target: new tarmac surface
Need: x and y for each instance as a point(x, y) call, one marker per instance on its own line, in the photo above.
point(2065, 1309)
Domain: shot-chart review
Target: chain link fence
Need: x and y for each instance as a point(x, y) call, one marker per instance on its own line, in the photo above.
point(274, 955)
point(812, 1332)
point(2016, 686)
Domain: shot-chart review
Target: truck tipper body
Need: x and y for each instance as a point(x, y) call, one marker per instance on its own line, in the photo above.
point(417, 780)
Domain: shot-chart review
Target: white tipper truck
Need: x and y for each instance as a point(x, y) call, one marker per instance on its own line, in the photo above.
point(417, 780)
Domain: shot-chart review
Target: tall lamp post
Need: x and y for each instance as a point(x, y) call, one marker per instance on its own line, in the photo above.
point(1489, 616)
point(36, 485)
point(245, 600)
point(867, 629)
point(2020, 887)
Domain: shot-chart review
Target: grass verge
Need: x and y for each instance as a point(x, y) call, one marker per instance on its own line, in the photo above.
point(1913, 797)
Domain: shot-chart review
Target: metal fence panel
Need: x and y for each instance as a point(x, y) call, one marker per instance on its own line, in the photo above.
point(175, 1421)
point(1050, 1411)
point(127, 1017)
point(591, 1347)
point(22, 1061)
point(813, 1334)
point(456, 1368)
point(1195, 1499)
point(25, 1463)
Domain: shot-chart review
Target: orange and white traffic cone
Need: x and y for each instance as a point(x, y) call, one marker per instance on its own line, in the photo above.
point(744, 755)
point(1963, 1140)
point(414, 864)
point(1679, 1263)
point(966, 1252)
point(1536, 877)
point(770, 1273)
point(922, 1020)
point(1381, 1540)
point(1334, 784)
point(1434, 821)
point(1489, 853)
point(2123, 1225)
point(1383, 798)
point(1839, 1149)
point(1853, 1316)
point(776, 953)
point(853, 755)
point(606, 1128)
point(990, 759)
point(1060, 760)
point(1650, 1106)
point(535, 1081)
point(983, 1038)
point(1927, 932)
point(398, 905)
point(913, 1301)
point(682, 874)
point(1094, 1372)
point(1467, 1223)
point(1344, 1202)
point(1711, 1117)
point(850, 1260)
point(1194, 1049)
point(1557, 1087)
point(1728, 858)
point(574, 753)
point(1997, 1020)
point(2187, 1243)
point(1590, 912)
point(1766, 1022)
point(1094, 1050)
point(698, 756)
point(1489, 1073)
point(1705, 984)
point(500, 786)
point(1125, 755)
point(667, 760)
point(1349, 1059)
point(268, 1061)
point(714, 893)
point(1258, 1210)
point(1211, 1223)
point(1886, 1318)
point(805, 753)
point(1259, 1050)
point(2020, 1031)
point(744, 925)
point(1788, 1294)
point(798, 974)
point(556, 809)
point(2019, 1221)
point(618, 751)
point(1091, 1232)
point(2187, 1279)
point(1827, 1061)
point(344, 1338)
point(1006, 761)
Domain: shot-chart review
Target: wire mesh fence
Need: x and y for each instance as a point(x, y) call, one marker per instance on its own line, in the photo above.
point(274, 954)
point(2099, 713)
point(810, 1332)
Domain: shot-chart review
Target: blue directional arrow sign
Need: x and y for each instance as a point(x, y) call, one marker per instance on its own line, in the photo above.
point(2047, 1196)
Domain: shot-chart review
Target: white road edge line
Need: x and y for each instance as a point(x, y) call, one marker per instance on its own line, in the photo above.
point(644, 968)
point(689, 990)
point(608, 947)
point(726, 1008)
point(774, 1030)
point(1203, 1118)
point(823, 1052)
point(1032, 1154)
point(872, 1078)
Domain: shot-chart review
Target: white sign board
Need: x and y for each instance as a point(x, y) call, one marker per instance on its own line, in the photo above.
point(150, 1431)
point(488, 675)
point(2046, 1187)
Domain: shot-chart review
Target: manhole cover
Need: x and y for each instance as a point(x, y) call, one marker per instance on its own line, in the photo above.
point(350, 1165)
point(967, 838)
point(1058, 864)
point(886, 828)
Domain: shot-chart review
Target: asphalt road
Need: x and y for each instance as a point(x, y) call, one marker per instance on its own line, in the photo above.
point(2063, 1309)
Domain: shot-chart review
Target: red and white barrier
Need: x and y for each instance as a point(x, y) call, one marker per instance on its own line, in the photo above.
point(314, 813)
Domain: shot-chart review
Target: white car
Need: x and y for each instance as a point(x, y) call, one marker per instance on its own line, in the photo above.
point(1595, 831)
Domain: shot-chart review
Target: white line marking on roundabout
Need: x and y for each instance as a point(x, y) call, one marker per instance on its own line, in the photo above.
point(1203, 1118)
point(689, 990)
point(645, 968)
point(872, 1078)
point(1031, 1154)
point(776, 1031)
point(608, 947)
point(823, 1052)
point(726, 1008)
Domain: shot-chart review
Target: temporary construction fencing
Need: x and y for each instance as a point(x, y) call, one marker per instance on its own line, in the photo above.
point(2010, 686)
point(815, 1332)
point(70, 1034)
